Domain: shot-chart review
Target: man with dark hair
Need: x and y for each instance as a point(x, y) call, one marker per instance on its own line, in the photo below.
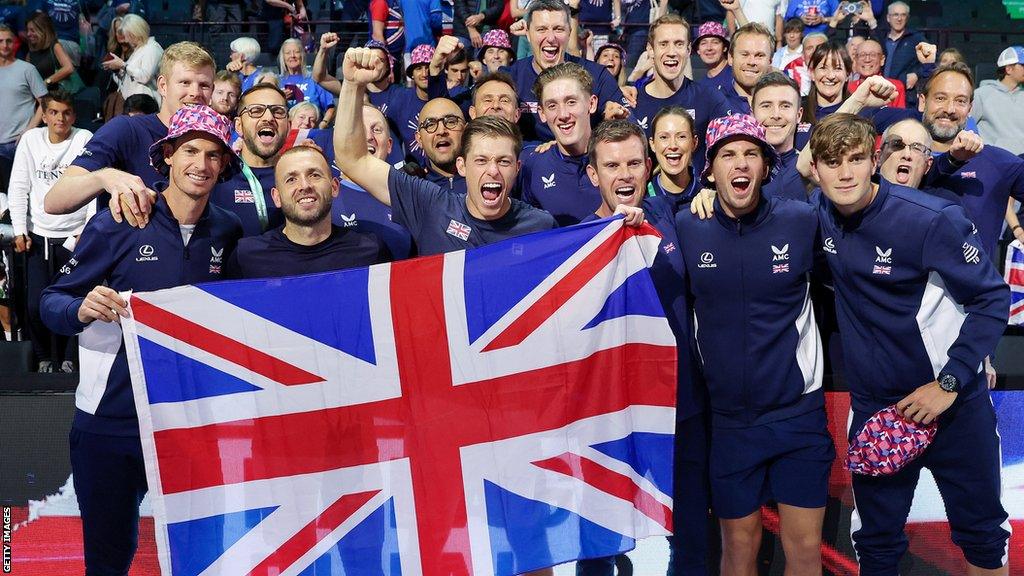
point(712, 45)
point(919, 307)
point(556, 179)
point(42, 155)
point(494, 94)
point(669, 43)
point(548, 25)
point(184, 244)
point(619, 168)
point(760, 350)
point(140, 105)
point(776, 103)
point(307, 242)
point(439, 220)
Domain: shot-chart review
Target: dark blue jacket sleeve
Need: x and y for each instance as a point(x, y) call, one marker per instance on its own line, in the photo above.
point(90, 266)
point(607, 90)
point(954, 252)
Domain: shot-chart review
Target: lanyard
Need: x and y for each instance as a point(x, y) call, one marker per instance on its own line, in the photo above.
point(257, 196)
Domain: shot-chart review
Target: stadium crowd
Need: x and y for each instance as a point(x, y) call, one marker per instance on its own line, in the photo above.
point(778, 147)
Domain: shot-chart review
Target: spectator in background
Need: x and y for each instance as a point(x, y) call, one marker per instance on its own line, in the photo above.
point(869, 62)
point(138, 74)
point(791, 49)
point(612, 56)
point(815, 14)
point(304, 116)
point(750, 56)
point(140, 104)
point(292, 62)
point(12, 15)
point(900, 47)
point(244, 52)
point(21, 88)
point(949, 56)
point(274, 12)
point(456, 70)
point(999, 104)
point(47, 54)
point(637, 15)
point(226, 89)
point(388, 27)
point(65, 15)
point(710, 45)
point(42, 156)
point(224, 11)
point(830, 69)
point(768, 13)
point(495, 51)
point(600, 17)
point(861, 21)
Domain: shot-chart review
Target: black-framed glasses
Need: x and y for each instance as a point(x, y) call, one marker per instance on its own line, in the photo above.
point(451, 122)
point(258, 110)
point(897, 144)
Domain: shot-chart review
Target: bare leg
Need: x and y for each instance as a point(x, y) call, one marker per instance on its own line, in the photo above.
point(741, 539)
point(801, 539)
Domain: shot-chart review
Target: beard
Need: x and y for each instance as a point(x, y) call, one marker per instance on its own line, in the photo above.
point(292, 214)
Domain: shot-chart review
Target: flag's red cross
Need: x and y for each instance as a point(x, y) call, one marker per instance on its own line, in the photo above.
point(428, 424)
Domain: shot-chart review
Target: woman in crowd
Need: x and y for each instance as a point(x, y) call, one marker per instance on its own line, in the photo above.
point(292, 62)
point(304, 116)
point(138, 74)
point(830, 67)
point(673, 142)
point(47, 54)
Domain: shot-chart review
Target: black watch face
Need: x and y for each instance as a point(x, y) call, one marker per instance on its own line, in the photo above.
point(948, 383)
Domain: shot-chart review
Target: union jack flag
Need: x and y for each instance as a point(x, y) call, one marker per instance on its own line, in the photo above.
point(483, 412)
point(1014, 271)
point(244, 197)
point(779, 268)
point(458, 229)
point(886, 270)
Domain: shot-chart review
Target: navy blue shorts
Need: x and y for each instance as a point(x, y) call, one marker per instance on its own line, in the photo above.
point(787, 461)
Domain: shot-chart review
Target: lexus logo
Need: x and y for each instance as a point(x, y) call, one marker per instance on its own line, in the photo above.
point(707, 257)
point(145, 250)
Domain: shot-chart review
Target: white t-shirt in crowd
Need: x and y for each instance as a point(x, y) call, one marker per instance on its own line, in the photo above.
point(38, 163)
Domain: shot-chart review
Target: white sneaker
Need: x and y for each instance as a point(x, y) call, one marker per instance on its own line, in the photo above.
point(45, 367)
point(67, 367)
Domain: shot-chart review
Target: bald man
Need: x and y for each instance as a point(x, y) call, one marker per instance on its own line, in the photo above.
point(439, 134)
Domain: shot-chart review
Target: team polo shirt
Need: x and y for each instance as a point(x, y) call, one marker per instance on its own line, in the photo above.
point(124, 143)
point(721, 82)
point(787, 182)
point(737, 103)
point(703, 102)
point(440, 222)
point(674, 200)
point(534, 129)
point(357, 209)
point(559, 185)
point(401, 106)
point(236, 196)
point(272, 254)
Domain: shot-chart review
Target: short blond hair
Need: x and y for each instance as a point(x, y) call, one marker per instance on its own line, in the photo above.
point(753, 29)
point(190, 54)
point(665, 20)
point(569, 70)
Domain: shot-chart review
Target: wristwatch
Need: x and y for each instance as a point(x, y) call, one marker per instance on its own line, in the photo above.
point(949, 383)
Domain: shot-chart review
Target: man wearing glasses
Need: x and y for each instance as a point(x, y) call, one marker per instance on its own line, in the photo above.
point(869, 62)
point(440, 136)
point(262, 124)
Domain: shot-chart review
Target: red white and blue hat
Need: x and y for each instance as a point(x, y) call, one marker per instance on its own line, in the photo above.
point(496, 38)
point(888, 442)
point(421, 54)
point(737, 126)
point(195, 118)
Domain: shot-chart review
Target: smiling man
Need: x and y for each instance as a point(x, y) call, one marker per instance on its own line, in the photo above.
point(439, 220)
point(307, 242)
point(747, 268)
point(669, 43)
point(556, 180)
point(750, 56)
point(184, 244)
point(548, 27)
point(776, 103)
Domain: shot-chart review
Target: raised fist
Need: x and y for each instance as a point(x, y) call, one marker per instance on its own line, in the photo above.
point(875, 92)
point(965, 146)
point(328, 40)
point(362, 65)
point(446, 47)
point(925, 53)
